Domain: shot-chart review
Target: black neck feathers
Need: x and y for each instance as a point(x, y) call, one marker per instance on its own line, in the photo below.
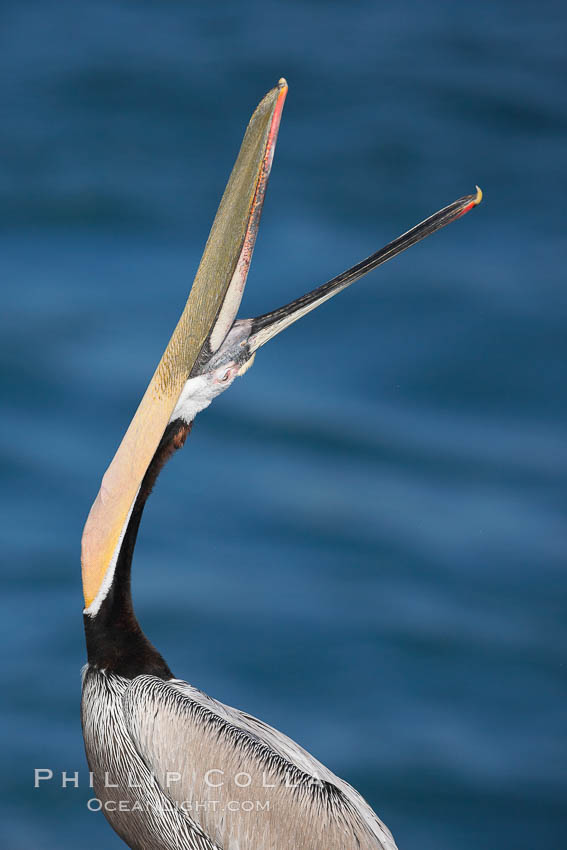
point(115, 640)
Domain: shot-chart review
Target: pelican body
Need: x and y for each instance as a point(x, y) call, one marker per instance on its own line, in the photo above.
point(173, 768)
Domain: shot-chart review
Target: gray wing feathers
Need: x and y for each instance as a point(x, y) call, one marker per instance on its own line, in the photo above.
point(149, 819)
point(248, 786)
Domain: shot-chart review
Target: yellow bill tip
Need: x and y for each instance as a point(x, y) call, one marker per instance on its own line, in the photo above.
point(470, 202)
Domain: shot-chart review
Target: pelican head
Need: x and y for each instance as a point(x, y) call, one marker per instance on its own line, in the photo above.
point(210, 347)
point(217, 371)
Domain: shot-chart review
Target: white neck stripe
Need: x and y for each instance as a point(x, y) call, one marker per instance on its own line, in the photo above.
point(108, 578)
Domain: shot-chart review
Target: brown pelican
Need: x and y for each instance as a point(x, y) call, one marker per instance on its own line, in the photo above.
point(173, 768)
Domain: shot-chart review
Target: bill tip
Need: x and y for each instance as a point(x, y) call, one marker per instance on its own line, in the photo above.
point(478, 198)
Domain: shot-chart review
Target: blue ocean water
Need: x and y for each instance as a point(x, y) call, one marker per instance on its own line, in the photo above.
point(364, 541)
